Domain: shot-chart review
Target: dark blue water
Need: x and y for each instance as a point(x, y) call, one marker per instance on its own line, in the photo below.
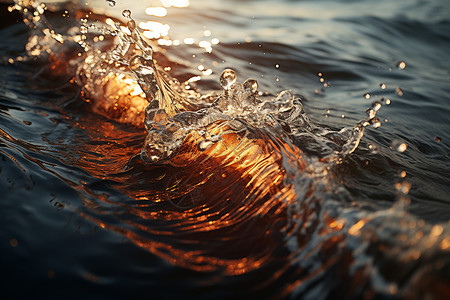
point(82, 216)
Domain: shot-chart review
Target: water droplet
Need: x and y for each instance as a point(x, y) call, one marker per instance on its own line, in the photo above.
point(277, 66)
point(401, 65)
point(403, 186)
point(399, 91)
point(251, 85)
point(83, 29)
point(111, 3)
point(399, 146)
point(227, 78)
point(376, 106)
point(370, 113)
point(375, 122)
point(382, 86)
point(367, 95)
point(373, 148)
point(126, 13)
point(437, 139)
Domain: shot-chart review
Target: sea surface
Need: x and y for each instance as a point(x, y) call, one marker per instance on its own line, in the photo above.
point(83, 216)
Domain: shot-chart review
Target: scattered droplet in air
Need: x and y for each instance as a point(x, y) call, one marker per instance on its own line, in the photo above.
point(375, 122)
point(401, 65)
point(382, 86)
point(367, 95)
point(399, 146)
point(373, 148)
point(399, 91)
point(371, 113)
point(437, 139)
point(376, 106)
point(126, 13)
point(111, 3)
point(227, 78)
point(251, 85)
point(277, 66)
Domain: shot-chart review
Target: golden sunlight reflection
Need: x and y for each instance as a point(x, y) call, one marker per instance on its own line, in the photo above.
point(156, 11)
point(157, 30)
point(154, 30)
point(175, 3)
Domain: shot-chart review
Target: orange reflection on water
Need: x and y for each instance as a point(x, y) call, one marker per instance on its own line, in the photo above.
point(122, 100)
point(207, 208)
point(355, 229)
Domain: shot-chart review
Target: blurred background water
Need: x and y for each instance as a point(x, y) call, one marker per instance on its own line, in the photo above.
point(66, 206)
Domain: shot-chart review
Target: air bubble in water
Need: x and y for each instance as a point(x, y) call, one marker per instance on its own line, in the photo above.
point(111, 3)
point(126, 13)
point(251, 85)
point(227, 78)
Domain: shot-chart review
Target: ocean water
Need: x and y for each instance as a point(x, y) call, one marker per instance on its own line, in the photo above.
point(83, 215)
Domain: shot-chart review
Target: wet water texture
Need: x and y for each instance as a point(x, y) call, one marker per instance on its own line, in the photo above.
point(225, 149)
